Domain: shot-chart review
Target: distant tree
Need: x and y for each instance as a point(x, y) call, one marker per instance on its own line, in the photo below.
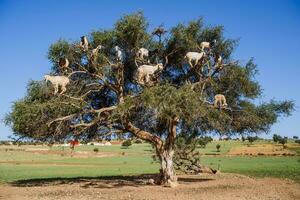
point(243, 139)
point(251, 139)
point(276, 138)
point(218, 146)
point(283, 141)
point(104, 95)
point(295, 137)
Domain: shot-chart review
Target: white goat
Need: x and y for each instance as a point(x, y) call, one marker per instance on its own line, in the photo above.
point(95, 52)
point(220, 100)
point(57, 81)
point(143, 53)
point(219, 63)
point(97, 49)
point(63, 62)
point(204, 45)
point(84, 43)
point(194, 56)
point(144, 72)
point(119, 54)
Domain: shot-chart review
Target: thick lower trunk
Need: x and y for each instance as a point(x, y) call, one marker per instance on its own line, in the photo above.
point(167, 175)
point(164, 150)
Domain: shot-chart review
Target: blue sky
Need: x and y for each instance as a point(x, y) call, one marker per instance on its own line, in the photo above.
point(269, 31)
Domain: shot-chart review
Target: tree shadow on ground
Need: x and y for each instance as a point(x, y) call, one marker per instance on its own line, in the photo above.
point(102, 181)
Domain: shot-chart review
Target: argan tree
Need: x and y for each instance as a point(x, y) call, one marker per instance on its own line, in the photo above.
point(103, 96)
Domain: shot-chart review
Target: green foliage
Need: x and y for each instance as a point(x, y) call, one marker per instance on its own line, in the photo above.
point(179, 90)
point(283, 140)
point(96, 150)
point(30, 115)
point(251, 139)
point(276, 138)
point(130, 31)
point(186, 157)
point(297, 141)
point(204, 140)
point(279, 139)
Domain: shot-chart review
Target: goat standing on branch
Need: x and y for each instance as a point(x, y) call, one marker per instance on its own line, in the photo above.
point(219, 63)
point(220, 101)
point(194, 56)
point(95, 53)
point(109, 96)
point(57, 81)
point(143, 53)
point(204, 45)
point(119, 54)
point(144, 72)
point(84, 44)
point(63, 63)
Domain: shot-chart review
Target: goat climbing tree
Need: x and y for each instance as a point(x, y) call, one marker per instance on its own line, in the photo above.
point(104, 97)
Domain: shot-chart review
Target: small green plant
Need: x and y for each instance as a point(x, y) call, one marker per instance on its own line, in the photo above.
point(218, 146)
point(96, 150)
point(127, 143)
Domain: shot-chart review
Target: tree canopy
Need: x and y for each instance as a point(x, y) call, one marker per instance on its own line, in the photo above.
point(103, 96)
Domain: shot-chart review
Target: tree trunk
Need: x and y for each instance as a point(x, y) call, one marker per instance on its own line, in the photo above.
point(167, 175)
point(164, 150)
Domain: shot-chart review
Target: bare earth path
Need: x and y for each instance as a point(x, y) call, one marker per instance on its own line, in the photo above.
point(221, 186)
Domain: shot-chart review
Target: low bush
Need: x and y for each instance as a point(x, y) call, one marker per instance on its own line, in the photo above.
point(127, 143)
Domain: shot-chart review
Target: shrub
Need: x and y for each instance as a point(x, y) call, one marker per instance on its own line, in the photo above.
point(126, 143)
point(96, 150)
point(297, 141)
point(218, 146)
point(138, 141)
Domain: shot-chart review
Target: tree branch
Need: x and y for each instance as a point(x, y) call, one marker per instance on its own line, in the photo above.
point(144, 135)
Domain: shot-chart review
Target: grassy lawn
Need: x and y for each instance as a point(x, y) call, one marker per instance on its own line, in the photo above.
point(262, 166)
point(22, 165)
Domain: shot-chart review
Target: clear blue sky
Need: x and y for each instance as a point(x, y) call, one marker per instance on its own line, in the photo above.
point(269, 31)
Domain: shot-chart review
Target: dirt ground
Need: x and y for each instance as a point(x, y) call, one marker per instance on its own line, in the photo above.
point(219, 186)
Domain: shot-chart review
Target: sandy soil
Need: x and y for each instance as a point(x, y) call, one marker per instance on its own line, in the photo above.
point(261, 149)
point(220, 186)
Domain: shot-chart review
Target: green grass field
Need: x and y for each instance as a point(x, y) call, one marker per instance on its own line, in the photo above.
point(22, 165)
